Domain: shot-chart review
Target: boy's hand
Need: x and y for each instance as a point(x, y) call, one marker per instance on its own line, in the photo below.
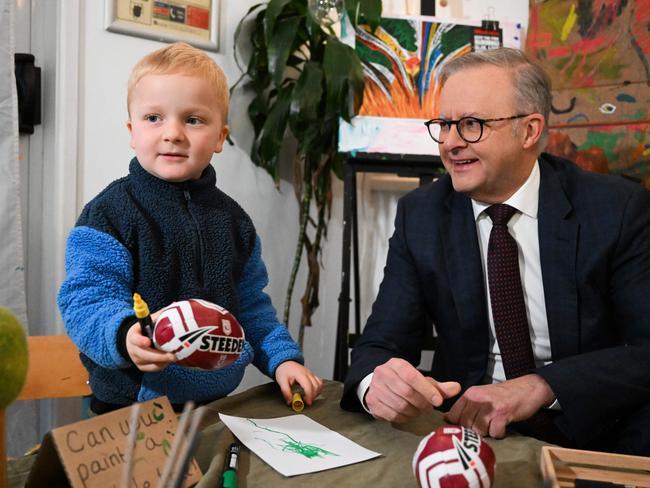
point(291, 372)
point(145, 357)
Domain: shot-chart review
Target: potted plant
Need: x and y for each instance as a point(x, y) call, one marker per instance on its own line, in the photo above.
point(303, 79)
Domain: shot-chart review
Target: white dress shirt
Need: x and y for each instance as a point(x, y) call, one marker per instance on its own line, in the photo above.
point(523, 226)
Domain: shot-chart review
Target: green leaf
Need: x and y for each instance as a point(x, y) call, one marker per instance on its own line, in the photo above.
point(314, 32)
point(258, 66)
point(307, 96)
point(353, 8)
point(257, 112)
point(273, 11)
point(364, 11)
point(344, 77)
point(305, 108)
point(371, 10)
point(272, 134)
point(258, 69)
point(308, 141)
point(281, 45)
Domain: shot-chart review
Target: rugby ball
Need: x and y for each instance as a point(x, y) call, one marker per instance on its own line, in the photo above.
point(454, 457)
point(201, 334)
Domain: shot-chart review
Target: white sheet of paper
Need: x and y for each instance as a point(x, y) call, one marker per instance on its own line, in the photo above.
point(296, 444)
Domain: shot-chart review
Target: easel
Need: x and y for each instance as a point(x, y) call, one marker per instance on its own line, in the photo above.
point(426, 168)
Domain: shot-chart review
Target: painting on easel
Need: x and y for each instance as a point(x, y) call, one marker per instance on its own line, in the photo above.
point(400, 60)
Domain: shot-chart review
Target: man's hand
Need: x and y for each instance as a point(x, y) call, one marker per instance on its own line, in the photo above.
point(488, 409)
point(291, 372)
point(399, 392)
point(145, 357)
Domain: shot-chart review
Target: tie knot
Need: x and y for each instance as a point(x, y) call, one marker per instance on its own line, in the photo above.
point(500, 213)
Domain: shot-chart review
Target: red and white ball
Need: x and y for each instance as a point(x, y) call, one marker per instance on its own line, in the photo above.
point(201, 334)
point(454, 457)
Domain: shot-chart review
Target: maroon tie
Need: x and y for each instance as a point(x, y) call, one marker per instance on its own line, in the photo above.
point(507, 295)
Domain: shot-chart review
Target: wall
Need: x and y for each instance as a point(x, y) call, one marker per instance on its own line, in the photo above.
point(106, 61)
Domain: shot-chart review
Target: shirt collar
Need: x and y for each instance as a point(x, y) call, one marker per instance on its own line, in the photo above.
point(525, 199)
point(201, 188)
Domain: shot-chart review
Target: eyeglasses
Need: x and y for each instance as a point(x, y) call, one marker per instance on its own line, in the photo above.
point(470, 129)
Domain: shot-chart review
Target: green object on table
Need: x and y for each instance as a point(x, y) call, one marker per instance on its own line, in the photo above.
point(229, 479)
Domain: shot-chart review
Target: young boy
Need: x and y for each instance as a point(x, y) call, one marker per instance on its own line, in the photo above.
point(168, 233)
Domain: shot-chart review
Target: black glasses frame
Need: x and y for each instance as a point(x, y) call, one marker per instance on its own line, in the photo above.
point(481, 123)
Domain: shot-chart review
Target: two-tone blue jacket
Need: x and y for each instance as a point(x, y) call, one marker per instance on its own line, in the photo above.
point(169, 242)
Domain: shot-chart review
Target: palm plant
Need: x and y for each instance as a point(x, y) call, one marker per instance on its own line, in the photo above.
point(303, 79)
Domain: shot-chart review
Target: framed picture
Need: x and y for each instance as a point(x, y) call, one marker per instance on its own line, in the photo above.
point(193, 21)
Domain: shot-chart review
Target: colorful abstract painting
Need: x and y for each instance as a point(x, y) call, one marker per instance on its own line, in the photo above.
point(400, 61)
point(597, 53)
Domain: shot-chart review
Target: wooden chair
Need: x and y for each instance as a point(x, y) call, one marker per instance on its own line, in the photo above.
point(55, 370)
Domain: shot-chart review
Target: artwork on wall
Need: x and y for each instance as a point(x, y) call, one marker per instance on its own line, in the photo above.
point(193, 21)
point(597, 53)
point(400, 61)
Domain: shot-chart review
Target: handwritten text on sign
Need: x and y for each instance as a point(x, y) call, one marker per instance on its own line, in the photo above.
point(93, 452)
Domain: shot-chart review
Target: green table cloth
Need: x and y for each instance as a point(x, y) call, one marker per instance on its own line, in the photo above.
point(517, 456)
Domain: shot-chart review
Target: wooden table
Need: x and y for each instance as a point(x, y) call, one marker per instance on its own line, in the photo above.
point(518, 457)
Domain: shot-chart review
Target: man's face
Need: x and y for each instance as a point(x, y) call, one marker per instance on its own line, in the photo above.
point(492, 169)
point(175, 125)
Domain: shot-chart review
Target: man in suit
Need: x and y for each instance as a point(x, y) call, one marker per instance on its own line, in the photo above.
point(582, 246)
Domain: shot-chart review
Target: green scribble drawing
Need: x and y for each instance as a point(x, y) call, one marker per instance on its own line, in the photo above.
point(292, 445)
point(167, 447)
point(157, 416)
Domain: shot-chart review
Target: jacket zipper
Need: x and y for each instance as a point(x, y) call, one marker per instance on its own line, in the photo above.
point(199, 238)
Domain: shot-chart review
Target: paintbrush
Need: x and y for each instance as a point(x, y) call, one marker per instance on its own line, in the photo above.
point(127, 470)
point(185, 456)
point(176, 445)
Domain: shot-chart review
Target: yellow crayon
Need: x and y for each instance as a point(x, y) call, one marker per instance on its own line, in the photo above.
point(296, 402)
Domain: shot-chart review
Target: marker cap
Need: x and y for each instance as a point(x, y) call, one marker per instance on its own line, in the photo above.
point(296, 402)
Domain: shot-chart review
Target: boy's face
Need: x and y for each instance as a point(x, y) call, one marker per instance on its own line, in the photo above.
point(175, 125)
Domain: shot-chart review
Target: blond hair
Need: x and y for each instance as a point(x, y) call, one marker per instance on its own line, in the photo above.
point(181, 58)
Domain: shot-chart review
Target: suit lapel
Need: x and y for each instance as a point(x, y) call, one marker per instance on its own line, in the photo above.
point(465, 272)
point(558, 240)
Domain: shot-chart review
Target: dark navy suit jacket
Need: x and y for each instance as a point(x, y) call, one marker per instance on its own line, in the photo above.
point(594, 239)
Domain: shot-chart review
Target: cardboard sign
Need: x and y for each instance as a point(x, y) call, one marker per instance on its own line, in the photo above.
point(91, 453)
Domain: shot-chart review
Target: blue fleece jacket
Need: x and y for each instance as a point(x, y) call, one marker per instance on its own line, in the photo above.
point(168, 242)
